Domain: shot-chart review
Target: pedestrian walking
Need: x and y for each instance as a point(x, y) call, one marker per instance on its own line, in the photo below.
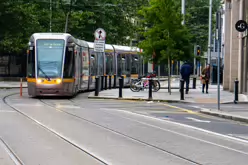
point(205, 77)
point(186, 70)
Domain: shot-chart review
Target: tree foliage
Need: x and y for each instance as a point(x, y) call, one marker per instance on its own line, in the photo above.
point(20, 18)
point(165, 35)
point(197, 20)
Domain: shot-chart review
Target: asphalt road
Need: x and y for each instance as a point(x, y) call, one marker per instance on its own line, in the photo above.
point(82, 131)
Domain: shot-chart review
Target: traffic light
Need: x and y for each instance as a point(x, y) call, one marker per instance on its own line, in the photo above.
point(198, 50)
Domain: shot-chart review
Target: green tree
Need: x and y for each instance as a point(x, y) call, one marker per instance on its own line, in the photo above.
point(165, 36)
point(197, 20)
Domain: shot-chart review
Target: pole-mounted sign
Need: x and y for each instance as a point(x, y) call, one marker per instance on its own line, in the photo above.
point(241, 26)
point(100, 36)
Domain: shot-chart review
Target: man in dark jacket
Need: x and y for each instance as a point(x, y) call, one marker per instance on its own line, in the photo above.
point(186, 70)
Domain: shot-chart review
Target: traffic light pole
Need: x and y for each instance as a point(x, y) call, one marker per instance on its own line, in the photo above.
point(218, 38)
point(210, 32)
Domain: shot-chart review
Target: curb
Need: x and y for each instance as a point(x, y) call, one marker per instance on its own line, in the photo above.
point(11, 87)
point(237, 102)
point(139, 99)
point(225, 115)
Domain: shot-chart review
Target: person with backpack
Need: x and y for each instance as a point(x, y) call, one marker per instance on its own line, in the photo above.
point(186, 70)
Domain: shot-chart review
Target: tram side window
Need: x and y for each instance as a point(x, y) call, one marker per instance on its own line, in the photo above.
point(109, 64)
point(135, 65)
point(93, 65)
point(31, 63)
point(119, 62)
point(69, 63)
point(128, 64)
point(100, 63)
point(85, 58)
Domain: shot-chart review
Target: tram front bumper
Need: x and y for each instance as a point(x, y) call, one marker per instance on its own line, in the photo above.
point(64, 89)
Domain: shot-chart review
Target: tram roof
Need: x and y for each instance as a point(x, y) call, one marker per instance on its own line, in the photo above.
point(127, 49)
point(50, 36)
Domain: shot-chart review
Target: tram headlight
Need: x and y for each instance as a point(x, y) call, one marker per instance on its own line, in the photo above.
point(39, 81)
point(58, 81)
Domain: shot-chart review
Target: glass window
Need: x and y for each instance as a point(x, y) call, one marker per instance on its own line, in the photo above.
point(135, 64)
point(31, 63)
point(85, 58)
point(69, 63)
point(109, 64)
point(119, 62)
point(100, 63)
point(93, 65)
point(128, 64)
point(50, 57)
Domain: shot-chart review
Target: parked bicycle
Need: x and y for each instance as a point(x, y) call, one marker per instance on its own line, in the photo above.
point(143, 83)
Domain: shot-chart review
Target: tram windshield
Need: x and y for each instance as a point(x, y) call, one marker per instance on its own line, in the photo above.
point(50, 57)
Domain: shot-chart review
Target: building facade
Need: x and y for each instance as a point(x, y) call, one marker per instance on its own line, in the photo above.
point(235, 46)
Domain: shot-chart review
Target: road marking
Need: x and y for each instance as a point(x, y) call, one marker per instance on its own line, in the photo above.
point(68, 106)
point(197, 120)
point(4, 111)
point(195, 113)
point(21, 104)
point(177, 133)
point(179, 124)
point(197, 107)
point(181, 109)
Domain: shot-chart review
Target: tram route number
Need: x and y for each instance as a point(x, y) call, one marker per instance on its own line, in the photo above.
point(99, 45)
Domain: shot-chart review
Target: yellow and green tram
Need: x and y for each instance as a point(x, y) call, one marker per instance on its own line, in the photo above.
point(60, 65)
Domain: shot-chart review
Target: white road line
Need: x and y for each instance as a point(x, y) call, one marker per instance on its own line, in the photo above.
point(194, 106)
point(68, 106)
point(6, 111)
point(198, 120)
point(11, 155)
point(183, 125)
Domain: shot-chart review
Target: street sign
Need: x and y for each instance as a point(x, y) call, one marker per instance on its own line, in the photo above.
point(241, 26)
point(100, 34)
point(99, 43)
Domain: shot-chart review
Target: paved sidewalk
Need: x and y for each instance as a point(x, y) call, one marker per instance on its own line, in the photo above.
point(194, 96)
point(12, 84)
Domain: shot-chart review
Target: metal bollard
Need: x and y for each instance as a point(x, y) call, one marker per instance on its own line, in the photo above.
point(236, 90)
point(122, 81)
point(150, 90)
point(97, 86)
point(114, 81)
point(21, 87)
point(106, 82)
point(194, 83)
point(110, 80)
point(120, 87)
point(102, 78)
point(181, 89)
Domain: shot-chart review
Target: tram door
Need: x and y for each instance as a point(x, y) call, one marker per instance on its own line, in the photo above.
point(80, 68)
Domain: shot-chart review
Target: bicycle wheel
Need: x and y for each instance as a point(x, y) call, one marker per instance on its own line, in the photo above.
point(134, 85)
point(155, 85)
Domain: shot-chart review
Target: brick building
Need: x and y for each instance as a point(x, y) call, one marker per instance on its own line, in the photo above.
point(235, 46)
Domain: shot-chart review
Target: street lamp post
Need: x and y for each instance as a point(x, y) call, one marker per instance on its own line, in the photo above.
point(210, 32)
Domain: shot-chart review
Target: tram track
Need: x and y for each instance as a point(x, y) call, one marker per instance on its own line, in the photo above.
point(120, 133)
point(48, 129)
point(16, 160)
